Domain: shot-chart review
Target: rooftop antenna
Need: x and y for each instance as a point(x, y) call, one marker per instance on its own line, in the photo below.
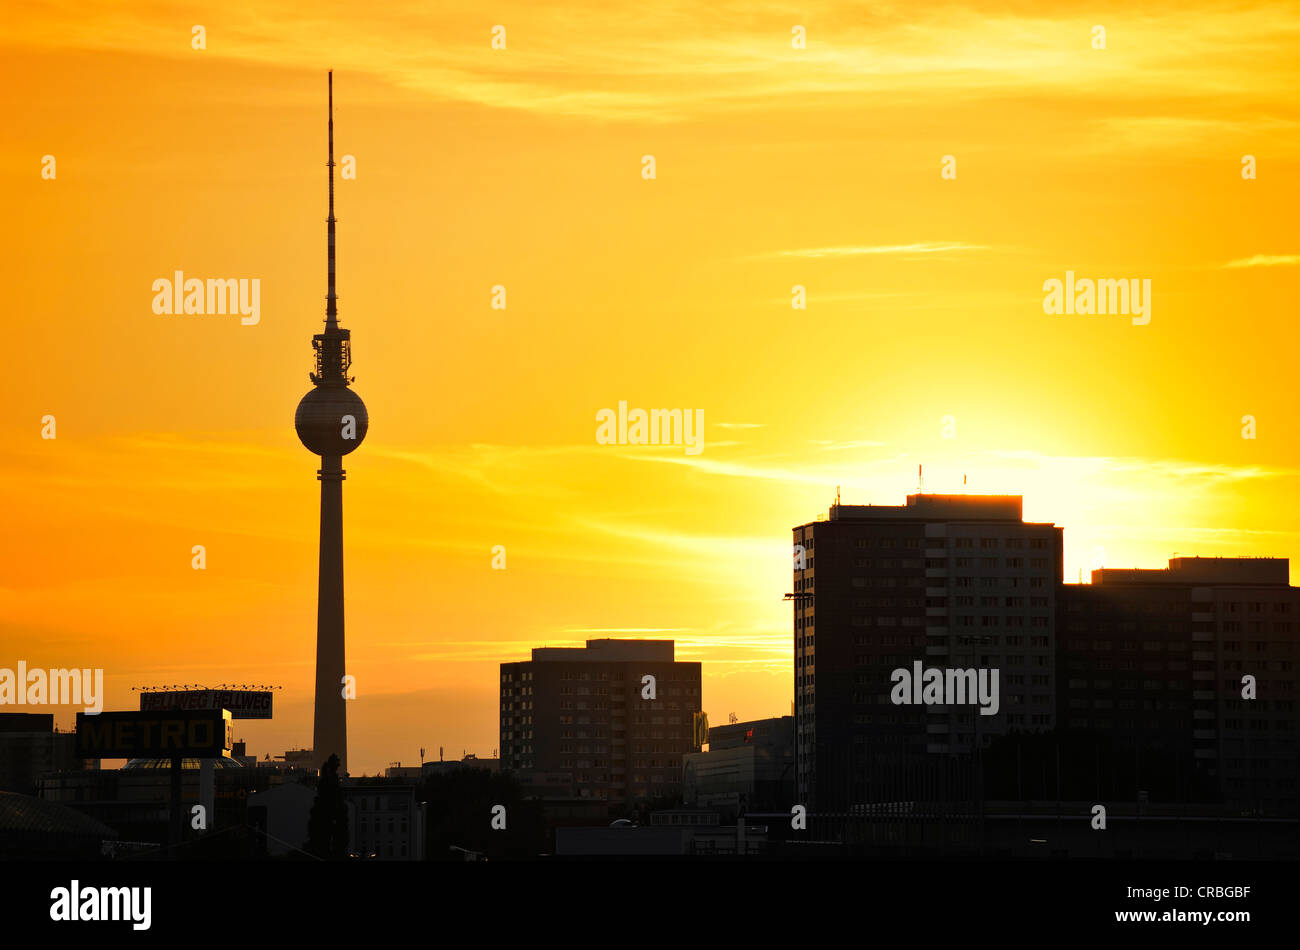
point(920, 482)
point(837, 496)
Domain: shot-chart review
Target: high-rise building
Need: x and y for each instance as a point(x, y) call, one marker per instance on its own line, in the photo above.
point(331, 422)
point(950, 581)
point(583, 719)
point(1153, 664)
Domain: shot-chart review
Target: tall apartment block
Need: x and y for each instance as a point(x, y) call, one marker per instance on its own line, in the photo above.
point(1153, 662)
point(576, 718)
point(953, 581)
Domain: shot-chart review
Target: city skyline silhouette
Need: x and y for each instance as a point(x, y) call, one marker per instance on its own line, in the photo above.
point(843, 440)
point(924, 303)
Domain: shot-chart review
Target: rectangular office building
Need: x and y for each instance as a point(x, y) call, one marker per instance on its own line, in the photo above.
point(609, 721)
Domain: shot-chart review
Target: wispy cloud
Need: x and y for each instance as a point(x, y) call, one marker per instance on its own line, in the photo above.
point(1203, 132)
point(864, 250)
point(1264, 260)
point(1162, 468)
point(738, 469)
point(831, 445)
point(586, 630)
point(625, 62)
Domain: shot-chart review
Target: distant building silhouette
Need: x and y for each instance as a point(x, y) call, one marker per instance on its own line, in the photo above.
point(575, 723)
point(31, 749)
point(281, 814)
point(385, 820)
point(470, 761)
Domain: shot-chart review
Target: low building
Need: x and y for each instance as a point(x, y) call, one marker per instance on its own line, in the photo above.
point(385, 821)
point(281, 814)
point(135, 800)
point(470, 761)
point(749, 766)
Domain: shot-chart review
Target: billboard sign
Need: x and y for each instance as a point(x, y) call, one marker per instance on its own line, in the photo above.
point(242, 703)
point(201, 734)
point(699, 730)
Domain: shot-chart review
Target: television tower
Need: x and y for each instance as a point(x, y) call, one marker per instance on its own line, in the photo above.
point(331, 421)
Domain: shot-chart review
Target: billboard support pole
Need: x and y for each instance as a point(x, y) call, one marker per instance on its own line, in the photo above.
point(177, 816)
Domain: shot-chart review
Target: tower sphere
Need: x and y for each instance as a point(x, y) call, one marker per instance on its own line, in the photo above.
point(320, 423)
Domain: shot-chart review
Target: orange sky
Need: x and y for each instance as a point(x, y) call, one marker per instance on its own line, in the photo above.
point(522, 167)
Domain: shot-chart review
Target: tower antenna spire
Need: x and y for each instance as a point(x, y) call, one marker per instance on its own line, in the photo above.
point(331, 300)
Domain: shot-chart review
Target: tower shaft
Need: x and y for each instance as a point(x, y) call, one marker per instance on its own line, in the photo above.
point(330, 723)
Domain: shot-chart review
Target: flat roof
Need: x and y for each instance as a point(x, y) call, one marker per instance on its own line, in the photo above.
point(937, 508)
point(609, 651)
point(1266, 571)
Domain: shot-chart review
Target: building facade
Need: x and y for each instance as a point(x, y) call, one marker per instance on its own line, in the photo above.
point(587, 720)
point(952, 581)
point(385, 820)
point(1155, 666)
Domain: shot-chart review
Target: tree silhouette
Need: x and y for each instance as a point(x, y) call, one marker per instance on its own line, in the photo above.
point(327, 826)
